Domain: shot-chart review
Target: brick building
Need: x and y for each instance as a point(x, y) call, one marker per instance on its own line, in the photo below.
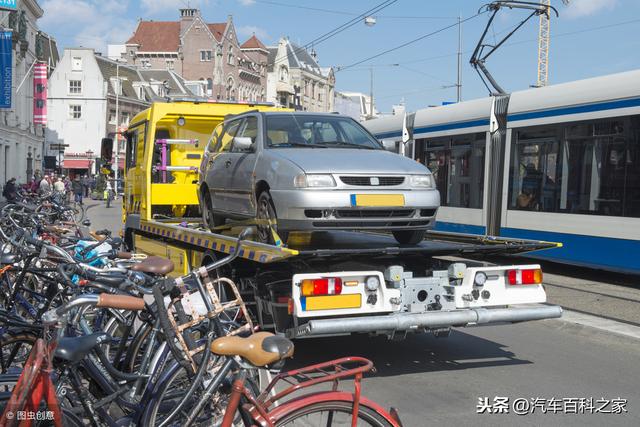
point(200, 51)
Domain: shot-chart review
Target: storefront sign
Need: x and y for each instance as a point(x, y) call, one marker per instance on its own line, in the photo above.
point(6, 61)
point(8, 4)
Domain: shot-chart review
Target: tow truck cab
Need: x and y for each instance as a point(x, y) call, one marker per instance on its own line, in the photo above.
point(164, 146)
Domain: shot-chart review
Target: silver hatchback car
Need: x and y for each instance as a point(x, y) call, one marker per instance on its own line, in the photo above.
point(309, 172)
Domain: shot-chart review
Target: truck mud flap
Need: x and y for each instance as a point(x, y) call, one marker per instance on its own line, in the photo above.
point(428, 320)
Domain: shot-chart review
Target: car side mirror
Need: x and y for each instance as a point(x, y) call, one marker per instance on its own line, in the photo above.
point(242, 143)
point(389, 145)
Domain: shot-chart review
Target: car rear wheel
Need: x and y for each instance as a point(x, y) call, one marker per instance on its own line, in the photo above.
point(210, 218)
point(267, 215)
point(409, 237)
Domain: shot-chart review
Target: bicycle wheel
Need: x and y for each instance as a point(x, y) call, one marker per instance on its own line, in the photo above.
point(332, 413)
point(173, 389)
point(15, 349)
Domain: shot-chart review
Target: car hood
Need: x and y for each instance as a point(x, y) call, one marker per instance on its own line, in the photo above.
point(348, 160)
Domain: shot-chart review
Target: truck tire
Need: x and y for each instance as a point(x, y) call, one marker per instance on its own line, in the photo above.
point(267, 211)
point(409, 237)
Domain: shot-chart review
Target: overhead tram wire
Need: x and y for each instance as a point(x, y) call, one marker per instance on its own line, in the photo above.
point(342, 27)
point(410, 42)
point(344, 12)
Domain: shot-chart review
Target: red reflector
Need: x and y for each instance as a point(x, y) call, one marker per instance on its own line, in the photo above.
point(527, 277)
point(327, 286)
point(290, 306)
point(524, 277)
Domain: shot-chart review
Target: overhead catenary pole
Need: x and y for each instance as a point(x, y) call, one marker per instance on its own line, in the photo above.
point(371, 95)
point(117, 135)
point(459, 82)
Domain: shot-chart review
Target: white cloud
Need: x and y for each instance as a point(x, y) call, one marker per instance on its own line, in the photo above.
point(88, 23)
point(580, 8)
point(248, 30)
point(247, 2)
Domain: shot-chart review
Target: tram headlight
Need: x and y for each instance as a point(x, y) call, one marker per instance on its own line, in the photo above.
point(422, 181)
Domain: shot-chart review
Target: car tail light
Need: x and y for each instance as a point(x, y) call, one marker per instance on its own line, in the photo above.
point(530, 276)
point(322, 286)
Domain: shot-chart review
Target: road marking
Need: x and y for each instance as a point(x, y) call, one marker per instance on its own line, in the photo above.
point(601, 323)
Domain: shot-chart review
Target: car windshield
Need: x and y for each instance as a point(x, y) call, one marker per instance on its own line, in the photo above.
point(309, 131)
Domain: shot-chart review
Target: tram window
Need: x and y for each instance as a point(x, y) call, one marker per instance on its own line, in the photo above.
point(582, 168)
point(457, 164)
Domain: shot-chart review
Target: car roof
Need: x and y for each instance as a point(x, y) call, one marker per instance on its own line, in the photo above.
point(286, 113)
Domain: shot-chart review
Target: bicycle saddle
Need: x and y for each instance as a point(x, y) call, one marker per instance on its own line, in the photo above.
point(74, 349)
point(6, 259)
point(154, 265)
point(260, 349)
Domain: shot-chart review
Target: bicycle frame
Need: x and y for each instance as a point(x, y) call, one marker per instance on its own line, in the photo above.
point(33, 385)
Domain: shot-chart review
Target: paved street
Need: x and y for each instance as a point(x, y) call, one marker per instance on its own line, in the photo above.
point(439, 381)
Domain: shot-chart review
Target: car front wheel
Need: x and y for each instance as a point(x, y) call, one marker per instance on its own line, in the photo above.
point(409, 237)
point(268, 220)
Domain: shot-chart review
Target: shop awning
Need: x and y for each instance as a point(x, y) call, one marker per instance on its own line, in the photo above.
point(76, 163)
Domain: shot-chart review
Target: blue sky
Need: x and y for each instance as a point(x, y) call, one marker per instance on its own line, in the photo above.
point(590, 38)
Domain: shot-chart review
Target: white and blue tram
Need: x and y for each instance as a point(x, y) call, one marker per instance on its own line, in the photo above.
point(559, 163)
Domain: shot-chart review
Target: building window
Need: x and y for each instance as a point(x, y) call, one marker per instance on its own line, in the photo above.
point(457, 164)
point(125, 119)
point(590, 167)
point(284, 74)
point(171, 63)
point(209, 86)
point(75, 87)
point(75, 111)
point(112, 117)
point(145, 63)
point(76, 63)
point(205, 55)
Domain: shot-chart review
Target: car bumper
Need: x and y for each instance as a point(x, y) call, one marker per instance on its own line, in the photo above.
point(333, 209)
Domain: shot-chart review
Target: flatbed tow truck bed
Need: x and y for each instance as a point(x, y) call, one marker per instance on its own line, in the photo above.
point(336, 243)
point(415, 290)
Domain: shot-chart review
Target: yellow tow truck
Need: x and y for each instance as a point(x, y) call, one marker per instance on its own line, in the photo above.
point(324, 284)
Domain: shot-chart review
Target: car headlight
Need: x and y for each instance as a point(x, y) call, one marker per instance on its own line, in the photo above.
point(422, 181)
point(313, 181)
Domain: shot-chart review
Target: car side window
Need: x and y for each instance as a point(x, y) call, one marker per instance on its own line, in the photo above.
point(215, 136)
point(249, 129)
point(230, 129)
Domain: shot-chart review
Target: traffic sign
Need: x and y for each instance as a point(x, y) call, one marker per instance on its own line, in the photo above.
point(58, 146)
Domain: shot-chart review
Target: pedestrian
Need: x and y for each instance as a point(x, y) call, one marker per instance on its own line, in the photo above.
point(67, 187)
point(10, 191)
point(109, 191)
point(45, 186)
point(58, 186)
point(35, 184)
point(85, 185)
point(76, 187)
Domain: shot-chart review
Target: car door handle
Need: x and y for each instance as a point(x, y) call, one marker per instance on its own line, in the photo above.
point(227, 163)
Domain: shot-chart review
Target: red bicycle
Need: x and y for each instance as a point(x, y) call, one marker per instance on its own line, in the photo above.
point(34, 396)
point(281, 403)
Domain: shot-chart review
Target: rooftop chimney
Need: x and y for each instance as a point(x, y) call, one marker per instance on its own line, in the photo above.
point(186, 18)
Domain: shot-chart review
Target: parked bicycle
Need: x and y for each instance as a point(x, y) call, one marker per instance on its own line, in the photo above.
point(98, 336)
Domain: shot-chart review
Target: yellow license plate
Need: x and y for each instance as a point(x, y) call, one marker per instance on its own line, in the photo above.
point(387, 200)
point(331, 302)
